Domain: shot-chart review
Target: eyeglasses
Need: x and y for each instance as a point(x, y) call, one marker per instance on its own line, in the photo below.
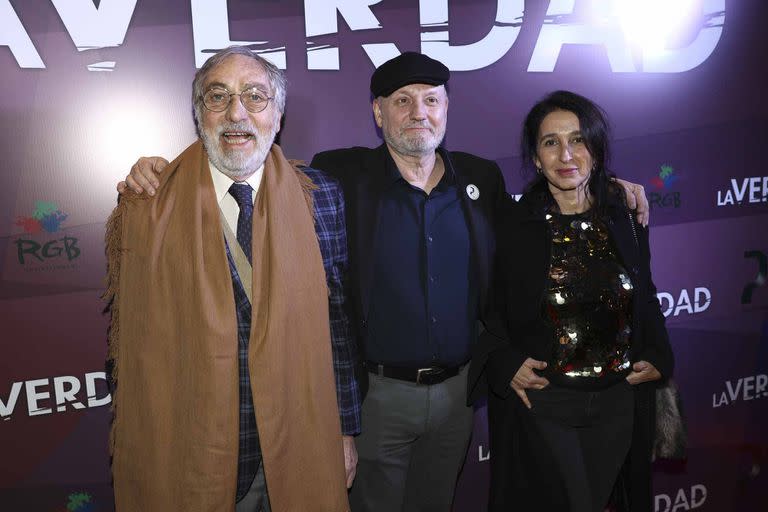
point(218, 99)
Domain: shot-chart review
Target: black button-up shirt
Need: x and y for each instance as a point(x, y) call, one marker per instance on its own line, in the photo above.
point(424, 302)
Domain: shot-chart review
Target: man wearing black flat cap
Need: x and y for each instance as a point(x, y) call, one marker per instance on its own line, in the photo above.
point(419, 225)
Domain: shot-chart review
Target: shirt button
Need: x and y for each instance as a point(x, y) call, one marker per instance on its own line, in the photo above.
point(429, 238)
point(432, 279)
point(434, 320)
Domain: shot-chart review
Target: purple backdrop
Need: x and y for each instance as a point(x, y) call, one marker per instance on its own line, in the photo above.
point(88, 86)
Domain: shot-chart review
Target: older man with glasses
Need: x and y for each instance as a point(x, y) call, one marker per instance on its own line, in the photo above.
point(228, 320)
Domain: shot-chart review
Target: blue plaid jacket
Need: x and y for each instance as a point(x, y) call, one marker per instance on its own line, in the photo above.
point(332, 236)
point(330, 225)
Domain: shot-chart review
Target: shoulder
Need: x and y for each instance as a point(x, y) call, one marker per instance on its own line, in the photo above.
point(347, 164)
point(320, 178)
point(328, 160)
point(615, 196)
point(616, 209)
point(327, 194)
point(514, 212)
point(473, 164)
point(473, 168)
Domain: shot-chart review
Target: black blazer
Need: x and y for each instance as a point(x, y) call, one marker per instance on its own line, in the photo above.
point(362, 174)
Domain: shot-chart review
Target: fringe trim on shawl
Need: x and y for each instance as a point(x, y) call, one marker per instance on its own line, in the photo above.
point(306, 184)
point(113, 249)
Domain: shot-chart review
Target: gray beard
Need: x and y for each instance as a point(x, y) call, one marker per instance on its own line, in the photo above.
point(237, 167)
point(416, 146)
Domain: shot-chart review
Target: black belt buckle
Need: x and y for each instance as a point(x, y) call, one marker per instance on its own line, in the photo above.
point(429, 376)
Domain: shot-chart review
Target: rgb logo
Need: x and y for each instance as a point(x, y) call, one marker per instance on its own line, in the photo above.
point(36, 247)
point(46, 217)
point(79, 502)
point(663, 196)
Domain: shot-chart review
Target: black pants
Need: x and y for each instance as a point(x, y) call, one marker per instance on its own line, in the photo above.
point(589, 434)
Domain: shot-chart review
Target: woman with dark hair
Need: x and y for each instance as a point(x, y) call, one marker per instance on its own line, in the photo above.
point(571, 411)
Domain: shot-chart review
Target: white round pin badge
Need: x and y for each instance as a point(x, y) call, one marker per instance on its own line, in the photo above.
point(473, 192)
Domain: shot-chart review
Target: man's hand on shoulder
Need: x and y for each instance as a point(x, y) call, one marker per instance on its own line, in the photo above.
point(143, 175)
point(636, 200)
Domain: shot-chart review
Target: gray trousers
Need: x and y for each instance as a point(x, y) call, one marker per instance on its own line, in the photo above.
point(256, 499)
point(414, 441)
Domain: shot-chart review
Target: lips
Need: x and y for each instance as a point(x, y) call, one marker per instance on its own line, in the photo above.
point(568, 171)
point(236, 137)
point(417, 127)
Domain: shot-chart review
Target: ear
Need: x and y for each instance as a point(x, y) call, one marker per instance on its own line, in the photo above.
point(377, 111)
point(536, 161)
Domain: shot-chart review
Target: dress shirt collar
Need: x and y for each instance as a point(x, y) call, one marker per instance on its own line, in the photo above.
point(449, 177)
point(222, 182)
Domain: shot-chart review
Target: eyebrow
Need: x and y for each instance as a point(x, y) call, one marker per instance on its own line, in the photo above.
point(249, 85)
point(256, 85)
point(575, 132)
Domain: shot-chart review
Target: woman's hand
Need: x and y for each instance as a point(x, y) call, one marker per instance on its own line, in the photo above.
point(643, 371)
point(525, 378)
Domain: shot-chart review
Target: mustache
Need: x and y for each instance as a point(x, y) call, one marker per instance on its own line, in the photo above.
point(236, 127)
point(417, 125)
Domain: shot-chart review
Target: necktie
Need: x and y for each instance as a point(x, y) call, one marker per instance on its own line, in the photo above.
point(242, 192)
point(249, 454)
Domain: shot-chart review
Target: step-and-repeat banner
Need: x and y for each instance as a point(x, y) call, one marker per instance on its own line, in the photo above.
point(88, 86)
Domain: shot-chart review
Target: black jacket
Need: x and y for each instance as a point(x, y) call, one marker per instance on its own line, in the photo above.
point(524, 243)
point(362, 174)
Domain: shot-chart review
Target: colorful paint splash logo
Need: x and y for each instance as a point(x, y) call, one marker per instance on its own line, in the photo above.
point(665, 179)
point(79, 502)
point(46, 218)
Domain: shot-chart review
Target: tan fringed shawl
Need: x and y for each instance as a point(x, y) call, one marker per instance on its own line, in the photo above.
point(174, 341)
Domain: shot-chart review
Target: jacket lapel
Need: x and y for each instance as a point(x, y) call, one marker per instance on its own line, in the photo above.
point(624, 240)
point(480, 235)
point(370, 188)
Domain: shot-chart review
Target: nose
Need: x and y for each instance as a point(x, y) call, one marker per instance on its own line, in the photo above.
point(418, 110)
point(565, 152)
point(235, 110)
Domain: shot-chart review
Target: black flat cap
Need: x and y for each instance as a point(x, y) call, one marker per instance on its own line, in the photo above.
point(408, 68)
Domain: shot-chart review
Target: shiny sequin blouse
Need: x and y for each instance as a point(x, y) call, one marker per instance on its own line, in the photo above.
point(588, 299)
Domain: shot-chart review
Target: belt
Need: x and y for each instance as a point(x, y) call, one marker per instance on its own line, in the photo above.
point(425, 376)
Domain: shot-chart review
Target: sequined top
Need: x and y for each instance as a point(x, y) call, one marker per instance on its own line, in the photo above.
point(588, 299)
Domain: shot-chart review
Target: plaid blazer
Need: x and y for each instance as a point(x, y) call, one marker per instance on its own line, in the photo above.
point(331, 232)
point(330, 226)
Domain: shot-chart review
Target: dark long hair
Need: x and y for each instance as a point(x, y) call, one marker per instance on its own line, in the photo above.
point(593, 123)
